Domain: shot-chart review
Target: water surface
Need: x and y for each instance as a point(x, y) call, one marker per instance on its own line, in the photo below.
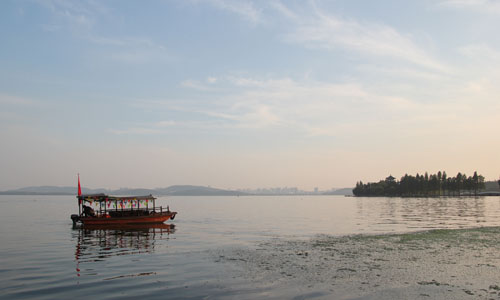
point(43, 257)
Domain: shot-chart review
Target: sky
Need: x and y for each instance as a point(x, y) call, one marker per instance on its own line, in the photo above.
point(246, 94)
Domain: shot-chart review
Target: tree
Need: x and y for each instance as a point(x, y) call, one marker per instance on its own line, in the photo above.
point(459, 182)
point(475, 182)
point(480, 185)
point(444, 182)
point(451, 184)
point(439, 178)
point(422, 185)
point(426, 184)
point(434, 184)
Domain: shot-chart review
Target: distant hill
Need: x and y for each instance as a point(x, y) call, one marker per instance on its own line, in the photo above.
point(192, 190)
point(51, 190)
point(127, 191)
point(176, 190)
point(344, 191)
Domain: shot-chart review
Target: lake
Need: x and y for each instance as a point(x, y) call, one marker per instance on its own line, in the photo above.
point(43, 257)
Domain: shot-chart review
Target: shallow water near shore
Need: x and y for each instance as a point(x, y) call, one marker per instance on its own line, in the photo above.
point(440, 264)
point(257, 247)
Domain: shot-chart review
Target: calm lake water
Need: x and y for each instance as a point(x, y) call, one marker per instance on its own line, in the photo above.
point(43, 257)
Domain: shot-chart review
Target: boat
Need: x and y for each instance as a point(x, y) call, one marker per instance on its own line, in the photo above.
point(116, 210)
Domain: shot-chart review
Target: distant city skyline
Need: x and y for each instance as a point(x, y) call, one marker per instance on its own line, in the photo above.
point(177, 190)
point(246, 94)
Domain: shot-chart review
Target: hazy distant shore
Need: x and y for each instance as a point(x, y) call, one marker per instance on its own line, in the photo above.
point(436, 264)
point(175, 190)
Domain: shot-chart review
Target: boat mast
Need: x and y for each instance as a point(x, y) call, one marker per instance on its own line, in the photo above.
point(79, 195)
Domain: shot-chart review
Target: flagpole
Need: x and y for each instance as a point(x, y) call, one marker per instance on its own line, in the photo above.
point(79, 194)
point(79, 187)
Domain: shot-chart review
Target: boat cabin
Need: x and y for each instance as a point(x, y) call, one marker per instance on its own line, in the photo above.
point(105, 209)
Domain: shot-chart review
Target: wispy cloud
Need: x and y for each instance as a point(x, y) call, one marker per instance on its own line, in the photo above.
point(401, 72)
point(243, 8)
point(6, 99)
point(76, 14)
point(481, 52)
point(80, 20)
point(309, 25)
point(258, 104)
point(134, 131)
point(249, 116)
point(284, 10)
point(167, 123)
point(311, 108)
point(483, 72)
point(197, 85)
point(145, 129)
point(133, 50)
point(326, 31)
point(483, 6)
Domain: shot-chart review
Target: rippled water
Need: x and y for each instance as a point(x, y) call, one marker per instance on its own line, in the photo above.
point(43, 257)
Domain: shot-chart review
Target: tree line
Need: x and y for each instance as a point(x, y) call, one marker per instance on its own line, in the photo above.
point(422, 185)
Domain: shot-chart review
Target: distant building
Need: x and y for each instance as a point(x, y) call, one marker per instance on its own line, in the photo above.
point(390, 178)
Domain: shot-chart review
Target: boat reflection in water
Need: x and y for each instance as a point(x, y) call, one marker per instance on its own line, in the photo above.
point(98, 244)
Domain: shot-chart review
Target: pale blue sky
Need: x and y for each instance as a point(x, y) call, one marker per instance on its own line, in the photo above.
point(245, 94)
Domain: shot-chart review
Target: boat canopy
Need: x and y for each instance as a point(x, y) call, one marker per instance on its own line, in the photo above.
point(103, 198)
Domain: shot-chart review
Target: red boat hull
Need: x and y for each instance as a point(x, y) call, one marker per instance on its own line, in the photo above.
point(150, 219)
point(134, 227)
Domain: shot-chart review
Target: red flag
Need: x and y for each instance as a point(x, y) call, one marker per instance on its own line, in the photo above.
point(79, 187)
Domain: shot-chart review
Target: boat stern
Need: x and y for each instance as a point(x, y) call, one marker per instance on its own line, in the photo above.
point(75, 218)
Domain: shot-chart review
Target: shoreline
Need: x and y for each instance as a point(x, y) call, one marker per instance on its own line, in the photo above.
point(484, 194)
point(434, 264)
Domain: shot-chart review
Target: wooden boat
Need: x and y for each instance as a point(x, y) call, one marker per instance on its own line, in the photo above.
point(114, 210)
point(146, 227)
